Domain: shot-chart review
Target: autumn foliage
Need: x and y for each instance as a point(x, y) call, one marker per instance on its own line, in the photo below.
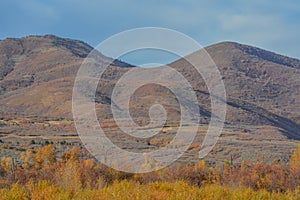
point(42, 176)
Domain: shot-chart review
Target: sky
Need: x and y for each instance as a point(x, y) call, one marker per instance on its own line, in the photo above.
point(269, 24)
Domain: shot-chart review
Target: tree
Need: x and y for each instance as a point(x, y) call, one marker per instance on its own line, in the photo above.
point(72, 155)
point(45, 156)
point(295, 158)
point(27, 158)
point(69, 175)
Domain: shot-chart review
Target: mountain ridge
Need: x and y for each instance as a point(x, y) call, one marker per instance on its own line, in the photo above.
point(37, 77)
point(261, 53)
point(60, 59)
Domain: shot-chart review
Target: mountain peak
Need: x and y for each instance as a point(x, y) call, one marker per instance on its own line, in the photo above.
point(228, 49)
point(35, 42)
point(37, 76)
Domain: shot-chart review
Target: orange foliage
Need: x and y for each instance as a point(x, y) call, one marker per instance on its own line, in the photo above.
point(42, 176)
point(45, 156)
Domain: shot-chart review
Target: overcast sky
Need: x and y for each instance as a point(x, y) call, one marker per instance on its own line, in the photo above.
point(269, 24)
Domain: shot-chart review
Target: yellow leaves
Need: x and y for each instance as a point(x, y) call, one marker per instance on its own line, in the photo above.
point(201, 165)
point(73, 154)
point(227, 170)
point(243, 166)
point(6, 163)
point(132, 190)
point(27, 158)
point(72, 178)
point(295, 159)
point(68, 176)
point(88, 164)
point(16, 192)
point(43, 190)
point(45, 156)
point(213, 192)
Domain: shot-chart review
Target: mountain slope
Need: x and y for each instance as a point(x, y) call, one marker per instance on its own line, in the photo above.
point(260, 77)
point(37, 74)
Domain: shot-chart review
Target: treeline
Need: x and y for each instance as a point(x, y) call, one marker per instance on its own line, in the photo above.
point(42, 174)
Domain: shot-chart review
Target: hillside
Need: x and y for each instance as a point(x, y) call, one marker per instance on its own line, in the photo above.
point(262, 87)
point(37, 75)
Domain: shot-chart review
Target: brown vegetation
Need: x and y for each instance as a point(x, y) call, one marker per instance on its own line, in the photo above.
point(41, 176)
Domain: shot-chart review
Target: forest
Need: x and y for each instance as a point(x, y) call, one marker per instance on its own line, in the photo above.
point(41, 175)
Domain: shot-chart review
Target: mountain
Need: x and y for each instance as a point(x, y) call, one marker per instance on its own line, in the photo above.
point(262, 87)
point(37, 74)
